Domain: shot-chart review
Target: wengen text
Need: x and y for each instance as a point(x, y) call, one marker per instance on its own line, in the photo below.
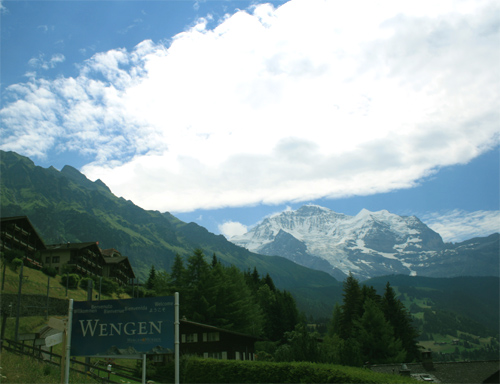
point(95, 328)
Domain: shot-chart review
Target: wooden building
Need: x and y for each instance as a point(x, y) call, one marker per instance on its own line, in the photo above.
point(117, 267)
point(208, 341)
point(83, 258)
point(17, 233)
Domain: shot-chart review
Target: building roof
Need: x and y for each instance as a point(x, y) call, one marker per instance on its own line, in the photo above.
point(216, 329)
point(26, 224)
point(115, 259)
point(72, 245)
point(447, 372)
point(111, 252)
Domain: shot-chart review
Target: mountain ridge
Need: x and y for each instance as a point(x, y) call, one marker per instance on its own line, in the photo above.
point(65, 206)
point(368, 244)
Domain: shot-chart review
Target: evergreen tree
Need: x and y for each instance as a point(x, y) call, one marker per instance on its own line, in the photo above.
point(151, 279)
point(376, 337)
point(162, 284)
point(215, 261)
point(288, 310)
point(178, 275)
point(267, 280)
point(300, 346)
point(198, 289)
point(236, 308)
point(370, 293)
point(334, 326)
point(401, 322)
point(352, 308)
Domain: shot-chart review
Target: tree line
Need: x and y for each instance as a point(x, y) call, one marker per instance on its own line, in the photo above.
point(366, 327)
point(225, 297)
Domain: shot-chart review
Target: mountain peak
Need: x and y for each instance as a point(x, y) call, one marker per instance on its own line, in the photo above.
point(76, 176)
point(368, 244)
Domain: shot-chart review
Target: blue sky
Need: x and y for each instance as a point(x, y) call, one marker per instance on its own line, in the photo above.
point(224, 112)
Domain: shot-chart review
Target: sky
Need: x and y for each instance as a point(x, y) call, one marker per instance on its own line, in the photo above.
point(225, 112)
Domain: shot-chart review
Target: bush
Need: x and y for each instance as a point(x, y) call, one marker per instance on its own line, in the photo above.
point(16, 264)
point(197, 370)
point(84, 283)
point(70, 280)
point(108, 286)
point(49, 271)
point(12, 254)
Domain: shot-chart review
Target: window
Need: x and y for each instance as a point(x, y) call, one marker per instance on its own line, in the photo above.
point(211, 336)
point(213, 355)
point(189, 338)
point(55, 259)
point(47, 259)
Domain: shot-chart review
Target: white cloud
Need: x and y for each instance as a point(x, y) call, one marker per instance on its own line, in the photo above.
point(232, 228)
point(40, 62)
point(459, 225)
point(3, 9)
point(312, 99)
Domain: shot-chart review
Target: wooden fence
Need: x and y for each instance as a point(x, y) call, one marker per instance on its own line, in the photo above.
point(99, 370)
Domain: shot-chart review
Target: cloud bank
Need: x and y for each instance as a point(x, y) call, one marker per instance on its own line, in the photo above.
point(312, 99)
point(459, 225)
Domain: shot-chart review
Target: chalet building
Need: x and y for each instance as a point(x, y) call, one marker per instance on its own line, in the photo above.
point(211, 342)
point(17, 233)
point(83, 258)
point(208, 341)
point(117, 267)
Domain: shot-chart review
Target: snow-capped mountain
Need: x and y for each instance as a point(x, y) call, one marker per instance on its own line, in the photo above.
point(369, 244)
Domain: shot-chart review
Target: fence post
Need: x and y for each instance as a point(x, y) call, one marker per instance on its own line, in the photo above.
point(19, 301)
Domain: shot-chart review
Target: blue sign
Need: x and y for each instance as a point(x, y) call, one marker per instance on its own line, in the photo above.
point(127, 327)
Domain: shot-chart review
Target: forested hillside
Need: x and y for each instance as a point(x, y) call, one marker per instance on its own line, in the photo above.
point(64, 206)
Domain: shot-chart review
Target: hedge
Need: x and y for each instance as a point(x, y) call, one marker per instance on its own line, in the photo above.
point(197, 370)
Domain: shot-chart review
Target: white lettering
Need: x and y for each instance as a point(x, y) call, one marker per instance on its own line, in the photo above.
point(127, 332)
point(115, 329)
point(118, 329)
point(152, 325)
point(88, 327)
point(104, 329)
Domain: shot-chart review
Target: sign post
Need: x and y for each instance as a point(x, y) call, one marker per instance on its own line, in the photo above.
point(68, 341)
point(176, 332)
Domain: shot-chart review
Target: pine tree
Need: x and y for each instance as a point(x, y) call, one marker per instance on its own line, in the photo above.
point(178, 275)
point(198, 305)
point(236, 308)
point(215, 261)
point(376, 337)
point(352, 308)
point(269, 281)
point(400, 320)
point(334, 326)
point(151, 279)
